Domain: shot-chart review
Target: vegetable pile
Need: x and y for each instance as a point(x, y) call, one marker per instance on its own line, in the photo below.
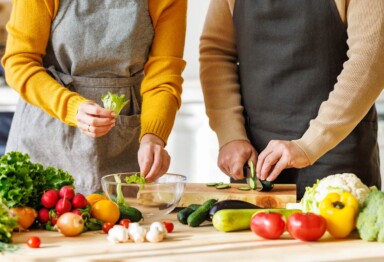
point(67, 212)
point(114, 102)
point(22, 182)
point(338, 183)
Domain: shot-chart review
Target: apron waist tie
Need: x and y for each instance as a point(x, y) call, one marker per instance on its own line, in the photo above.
point(81, 81)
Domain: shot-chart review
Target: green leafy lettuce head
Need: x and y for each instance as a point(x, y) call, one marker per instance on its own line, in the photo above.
point(114, 102)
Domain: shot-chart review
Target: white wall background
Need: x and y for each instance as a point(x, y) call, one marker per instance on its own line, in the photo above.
point(192, 144)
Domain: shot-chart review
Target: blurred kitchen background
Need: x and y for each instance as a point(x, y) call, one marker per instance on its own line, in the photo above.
point(192, 144)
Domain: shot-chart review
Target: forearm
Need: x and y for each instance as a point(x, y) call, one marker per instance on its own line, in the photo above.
point(28, 34)
point(162, 86)
point(219, 74)
point(359, 84)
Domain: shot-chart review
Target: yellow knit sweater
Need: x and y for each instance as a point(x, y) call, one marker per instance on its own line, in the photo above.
point(28, 34)
point(358, 85)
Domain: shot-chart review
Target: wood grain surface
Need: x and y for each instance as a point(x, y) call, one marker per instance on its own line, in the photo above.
point(185, 243)
point(196, 193)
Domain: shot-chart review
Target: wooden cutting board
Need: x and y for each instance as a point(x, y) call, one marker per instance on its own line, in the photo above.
point(197, 193)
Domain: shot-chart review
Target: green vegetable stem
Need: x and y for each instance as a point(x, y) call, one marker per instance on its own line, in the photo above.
point(114, 102)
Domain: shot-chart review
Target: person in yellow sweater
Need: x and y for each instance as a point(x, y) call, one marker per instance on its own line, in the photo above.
point(291, 85)
point(63, 55)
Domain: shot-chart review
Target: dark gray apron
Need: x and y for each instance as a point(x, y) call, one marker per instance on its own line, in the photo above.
point(290, 54)
point(95, 47)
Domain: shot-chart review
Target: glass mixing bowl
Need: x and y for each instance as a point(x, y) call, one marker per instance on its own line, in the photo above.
point(154, 199)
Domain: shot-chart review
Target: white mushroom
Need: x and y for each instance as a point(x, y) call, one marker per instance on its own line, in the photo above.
point(159, 227)
point(154, 235)
point(118, 234)
point(136, 232)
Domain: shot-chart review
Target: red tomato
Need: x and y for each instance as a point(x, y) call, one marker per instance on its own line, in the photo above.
point(106, 227)
point(168, 226)
point(125, 222)
point(34, 242)
point(268, 225)
point(306, 226)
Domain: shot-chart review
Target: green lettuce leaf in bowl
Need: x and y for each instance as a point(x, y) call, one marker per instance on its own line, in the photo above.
point(114, 102)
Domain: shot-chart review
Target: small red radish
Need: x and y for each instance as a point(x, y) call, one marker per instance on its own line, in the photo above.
point(54, 219)
point(63, 206)
point(67, 192)
point(79, 201)
point(76, 211)
point(49, 198)
point(44, 215)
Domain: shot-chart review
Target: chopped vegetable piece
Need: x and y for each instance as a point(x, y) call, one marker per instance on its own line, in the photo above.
point(136, 179)
point(244, 188)
point(223, 186)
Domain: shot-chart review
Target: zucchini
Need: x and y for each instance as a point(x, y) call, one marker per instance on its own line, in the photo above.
point(198, 216)
point(231, 204)
point(228, 220)
point(183, 214)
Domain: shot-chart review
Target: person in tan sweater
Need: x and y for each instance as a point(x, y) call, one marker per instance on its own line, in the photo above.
point(291, 86)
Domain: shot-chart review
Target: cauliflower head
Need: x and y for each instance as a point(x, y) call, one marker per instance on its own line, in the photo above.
point(346, 182)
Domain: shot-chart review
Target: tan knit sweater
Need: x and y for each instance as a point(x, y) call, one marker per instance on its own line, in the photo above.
point(358, 85)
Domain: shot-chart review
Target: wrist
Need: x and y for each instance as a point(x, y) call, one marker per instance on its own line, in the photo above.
point(151, 138)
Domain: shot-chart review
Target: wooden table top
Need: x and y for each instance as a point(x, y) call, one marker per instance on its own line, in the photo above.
point(202, 243)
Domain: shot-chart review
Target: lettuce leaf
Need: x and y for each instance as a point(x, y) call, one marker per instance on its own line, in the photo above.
point(7, 224)
point(114, 102)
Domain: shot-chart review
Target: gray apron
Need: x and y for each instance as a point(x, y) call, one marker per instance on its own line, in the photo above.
point(290, 54)
point(95, 47)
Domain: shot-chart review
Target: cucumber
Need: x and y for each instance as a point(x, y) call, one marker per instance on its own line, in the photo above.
point(183, 214)
point(131, 213)
point(198, 216)
point(223, 186)
point(227, 220)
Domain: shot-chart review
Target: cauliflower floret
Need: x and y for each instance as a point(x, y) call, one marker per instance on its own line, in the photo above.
point(346, 182)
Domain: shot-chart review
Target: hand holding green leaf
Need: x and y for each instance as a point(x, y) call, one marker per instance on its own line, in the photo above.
point(114, 102)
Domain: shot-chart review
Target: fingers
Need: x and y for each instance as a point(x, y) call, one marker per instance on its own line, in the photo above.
point(277, 156)
point(154, 160)
point(233, 156)
point(93, 120)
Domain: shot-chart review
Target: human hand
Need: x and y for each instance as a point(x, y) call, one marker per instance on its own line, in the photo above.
point(154, 160)
point(277, 156)
point(94, 120)
point(234, 155)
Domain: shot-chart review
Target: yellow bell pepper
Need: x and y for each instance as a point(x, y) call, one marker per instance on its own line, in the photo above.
point(340, 211)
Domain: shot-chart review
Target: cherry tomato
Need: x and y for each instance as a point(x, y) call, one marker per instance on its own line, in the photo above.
point(268, 225)
point(106, 227)
point(125, 222)
point(168, 226)
point(306, 226)
point(34, 242)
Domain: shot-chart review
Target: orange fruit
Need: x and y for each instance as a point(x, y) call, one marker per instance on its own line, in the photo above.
point(106, 211)
point(93, 198)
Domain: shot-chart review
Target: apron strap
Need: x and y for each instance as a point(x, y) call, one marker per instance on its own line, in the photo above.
point(81, 81)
